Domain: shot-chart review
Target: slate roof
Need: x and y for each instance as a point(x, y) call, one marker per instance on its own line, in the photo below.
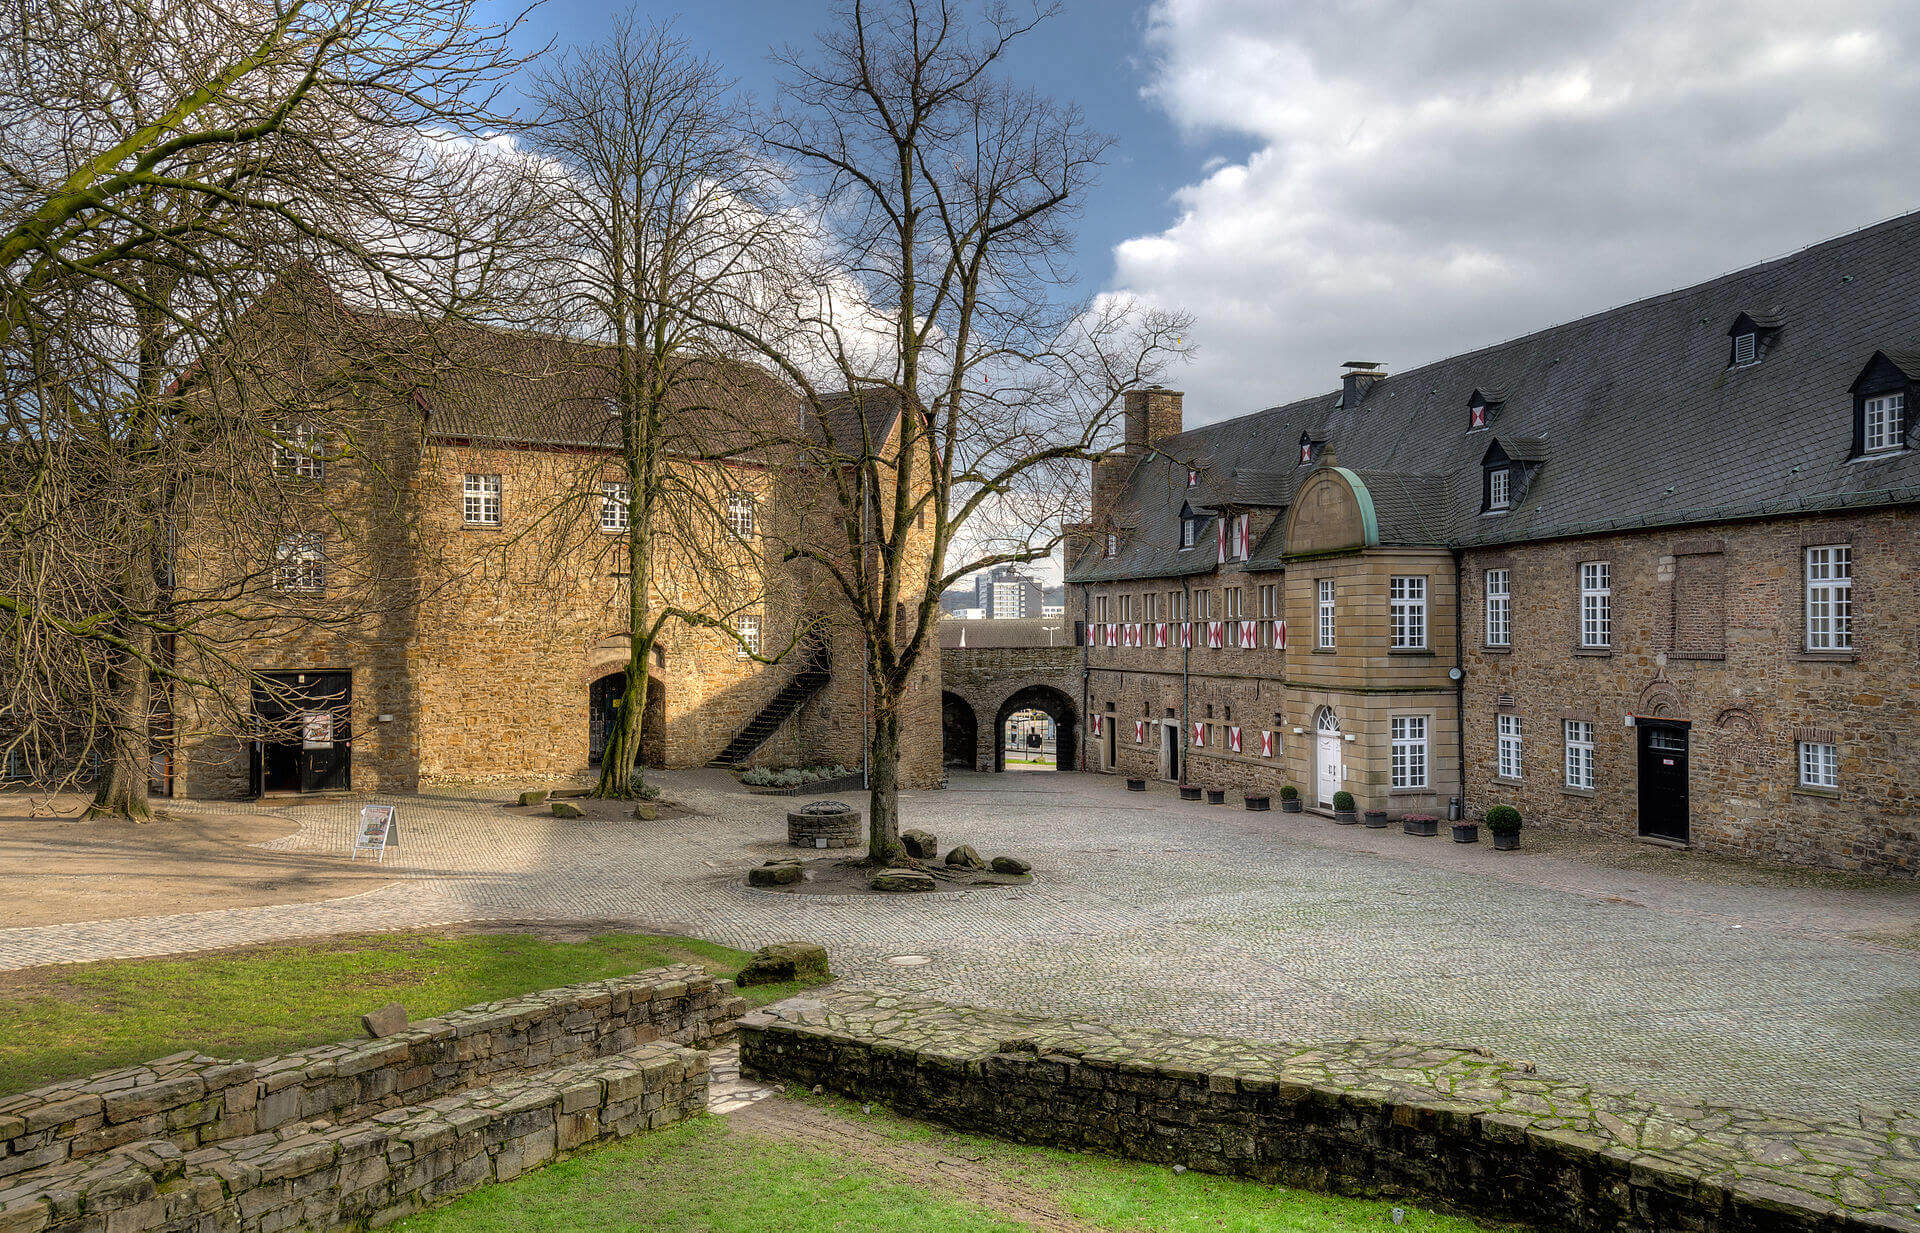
point(1637, 417)
point(1005, 633)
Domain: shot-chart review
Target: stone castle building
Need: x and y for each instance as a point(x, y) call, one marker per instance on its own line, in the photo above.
point(472, 550)
point(1651, 572)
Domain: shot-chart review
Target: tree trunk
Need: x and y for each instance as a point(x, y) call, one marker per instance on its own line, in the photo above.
point(122, 791)
point(883, 798)
point(621, 775)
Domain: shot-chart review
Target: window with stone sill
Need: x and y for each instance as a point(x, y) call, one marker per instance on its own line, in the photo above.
point(1579, 754)
point(747, 625)
point(1499, 608)
point(1409, 751)
point(1829, 584)
point(614, 503)
point(1596, 605)
point(1819, 766)
point(1508, 738)
point(300, 564)
point(740, 514)
point(1407, 613)
point(480, 500)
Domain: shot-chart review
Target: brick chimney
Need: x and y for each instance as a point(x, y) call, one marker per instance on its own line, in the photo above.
point(1153, 415)
point(1356, 378)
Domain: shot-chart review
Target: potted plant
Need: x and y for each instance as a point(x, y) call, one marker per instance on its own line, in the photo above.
point(1424, 825)
point(1343, 809)
point(1290, 799)
point(1504, 822)
point(1189, 792)
point(1216, 796)
point(1257, 802)
point(1466, 832)
point(1376, 818)
point(1136, 785)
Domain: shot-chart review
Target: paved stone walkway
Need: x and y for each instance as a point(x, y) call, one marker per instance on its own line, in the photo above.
point(1146, 910)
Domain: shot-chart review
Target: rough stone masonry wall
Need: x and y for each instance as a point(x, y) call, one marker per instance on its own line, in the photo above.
point(1364, 1117)
point(330, 1177)
point(190, 1101)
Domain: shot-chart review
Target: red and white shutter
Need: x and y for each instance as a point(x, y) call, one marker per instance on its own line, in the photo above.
point(1220, 527)
point(1186, 634)
point(1279, 635)
point(1243, 536)
point(1160, 633)
point(1249, 635)
point(1096, 724)
point(1266, 744)
point(1139, 731)
point(1139, 634)
point(1233, 738)
point(1216, 634)
point(1199, 734)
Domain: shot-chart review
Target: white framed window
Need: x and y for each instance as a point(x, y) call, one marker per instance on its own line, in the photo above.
point(1203, 605)
point(1499, 608)
point(1240, 537)
point(1508, 731)
point(480, 500)
point(1499, 488)
point(1830, 598)
point(300, 564)
point(1176, 605)
point(1409, 751)
point(740, 514)
point(1746, 348)
point(1100, 609)
point(1113, 544)
point(1884, 423)
point(1819, 765)
point(1233, 616)
point(615, 497)
point(747, 625)
point(1596, 604)
point(296, 450)
point(1269, 601)
point(1326, 614)
point(1407, 612)
point(1579, 738)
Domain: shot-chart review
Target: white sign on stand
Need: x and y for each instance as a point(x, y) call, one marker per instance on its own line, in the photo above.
point(379, 826)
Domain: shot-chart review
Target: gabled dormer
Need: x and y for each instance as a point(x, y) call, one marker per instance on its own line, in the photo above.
point(1311, 445)
point(1482, 405)
point(1506, 470)
point(1882, 403)
point(1192, 526)
point(1752, 333)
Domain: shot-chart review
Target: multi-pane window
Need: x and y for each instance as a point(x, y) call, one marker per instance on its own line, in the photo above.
point(1884, 423)
point(1203, 605)
point(740, 514)
point(1100, 613)
point(1233, 616)
point(1819, 765)
point(1499, 488)
point(1176, 605)
point(614, 500)
point(1269, 601)
point(1409, 751)
point(1113, 544)
point(747, 625)
point(1326, 613)
point(300, 564)
point(1126, 608)
point(1407, 611)
point(296, 450)
point(1830, 598)
point(1579, 735)
point(1508, 727)
point(1189, 532)
point(1596, 604)
point(480, 500)
point(1499, 608)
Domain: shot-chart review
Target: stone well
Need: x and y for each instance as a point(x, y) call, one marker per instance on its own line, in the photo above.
point(824, 824)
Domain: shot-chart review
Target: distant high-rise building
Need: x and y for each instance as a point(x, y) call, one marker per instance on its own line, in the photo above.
point(1007, 593)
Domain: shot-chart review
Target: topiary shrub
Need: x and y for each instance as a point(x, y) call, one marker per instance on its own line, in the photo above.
point(1503, 820)
point(1289, 793)
point(1343, 801)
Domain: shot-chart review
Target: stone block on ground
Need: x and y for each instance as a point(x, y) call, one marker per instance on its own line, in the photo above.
point(386, 1021)
point(921, 845)
point(963, 856)
point(903, 880)
point(645, 811)
point(784, 961)
point(563, 810)
point(779, 873)
point(537, 796)
point(1010, 865)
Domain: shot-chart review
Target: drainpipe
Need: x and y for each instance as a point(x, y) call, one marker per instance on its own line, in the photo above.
point(1460, 681)
point(1186, 663)
point(1086, 682)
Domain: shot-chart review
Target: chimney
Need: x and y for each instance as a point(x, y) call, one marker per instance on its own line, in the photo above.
point(1356, 378)
point(1153, 415)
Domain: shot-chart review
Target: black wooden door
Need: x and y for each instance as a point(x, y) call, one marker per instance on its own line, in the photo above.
point(1663, 780)
point(306, 742)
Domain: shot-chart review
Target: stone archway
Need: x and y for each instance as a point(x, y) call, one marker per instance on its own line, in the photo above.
point(959, 732)
point(603, 696)
point(1052, 703)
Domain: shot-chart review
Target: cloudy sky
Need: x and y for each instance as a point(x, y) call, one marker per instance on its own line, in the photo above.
point(1399, 180)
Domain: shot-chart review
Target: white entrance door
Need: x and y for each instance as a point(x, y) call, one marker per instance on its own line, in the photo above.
point(1328, 727)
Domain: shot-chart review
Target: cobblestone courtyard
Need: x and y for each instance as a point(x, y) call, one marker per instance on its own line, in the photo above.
point(1147, 910)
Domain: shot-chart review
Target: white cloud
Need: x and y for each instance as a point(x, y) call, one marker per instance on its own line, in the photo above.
point(1434, 175)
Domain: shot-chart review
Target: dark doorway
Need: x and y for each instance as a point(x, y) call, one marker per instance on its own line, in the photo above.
point(1170, 753)
point(1663, 780)
point(306, 732)
point(603, 701)
point(959, 733)
point(1055, 706)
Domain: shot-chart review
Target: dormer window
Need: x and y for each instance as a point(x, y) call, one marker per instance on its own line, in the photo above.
point(1881, 395)
point(1480, 405)
point(1884, 423)
point(1310, 448)
point(1190, 524)
point(1752, 334)
point(1113, 544)
point(1500, 488)
point(1476, 416)
point(1507, 468)
point(1193, 477)
point(1746, 349)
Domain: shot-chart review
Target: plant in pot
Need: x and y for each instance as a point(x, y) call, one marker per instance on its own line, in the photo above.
point(1343, 809)
point(1466, 832)
point(1290, 799)
point(1422, 824)
point(1376, 818)
point(1189, 792)
point(1504, 822)
point(1136, 785)
point(1216, 796)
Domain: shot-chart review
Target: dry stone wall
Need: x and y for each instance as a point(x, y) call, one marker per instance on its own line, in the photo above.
point(1365, 1117)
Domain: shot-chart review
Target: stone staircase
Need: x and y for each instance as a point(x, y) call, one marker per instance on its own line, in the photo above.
point(365, 1131)
point(814, 673)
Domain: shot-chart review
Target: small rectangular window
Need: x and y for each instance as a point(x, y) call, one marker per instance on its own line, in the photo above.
point(1326, 614)
point(1233, 616)
point(1100, 612)
point(740, 515)
point(1819, 765)
point(1407, 611)
point(1596, 604)
point(1113, 545)
point(1177, 605)
point(481, 500)
point(1884, 423)
point(1269, 601)
point(1189, 532)
point(1509, 751)
point(300, 564)
point(1203, 605)
point(1409, 751)
point(1499, 608)
point(1745, 349)
point(1499, 488)
point(1579, 736)
point(613, 505)
point(747, 625)
point(1830, 598)
point(297, 450)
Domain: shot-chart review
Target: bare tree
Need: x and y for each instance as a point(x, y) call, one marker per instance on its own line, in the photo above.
point(956, 389)
point(164, 167)
point(668, 217)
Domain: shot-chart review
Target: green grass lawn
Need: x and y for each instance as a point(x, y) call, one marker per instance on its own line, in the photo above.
point(704, 1177)
point(70, 1020)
